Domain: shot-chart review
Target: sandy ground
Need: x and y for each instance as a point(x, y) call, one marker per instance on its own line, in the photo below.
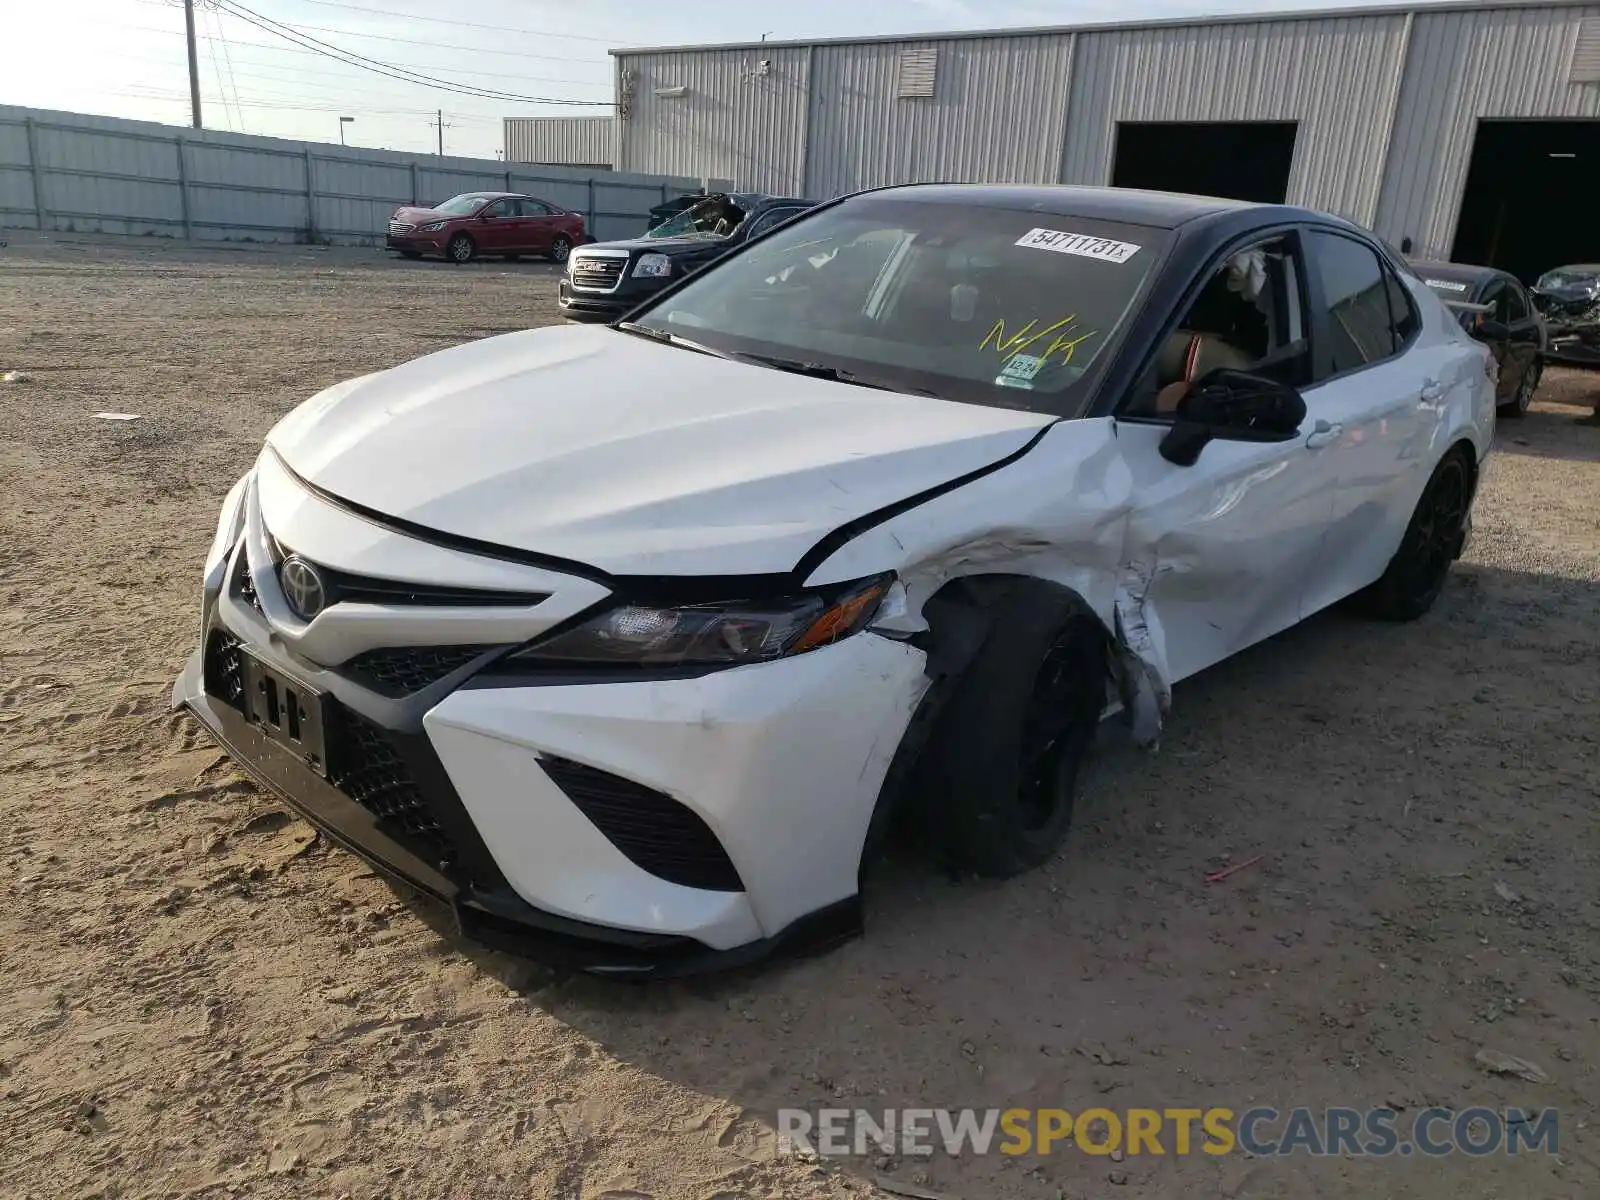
point(200, 998)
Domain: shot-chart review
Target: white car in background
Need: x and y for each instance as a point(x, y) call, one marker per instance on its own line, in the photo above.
point(627, 642)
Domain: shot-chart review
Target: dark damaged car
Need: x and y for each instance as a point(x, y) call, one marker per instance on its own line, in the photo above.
point(1569, 298)
point(608, 279)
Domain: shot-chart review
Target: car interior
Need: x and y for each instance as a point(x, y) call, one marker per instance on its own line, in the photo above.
point(1247, 317)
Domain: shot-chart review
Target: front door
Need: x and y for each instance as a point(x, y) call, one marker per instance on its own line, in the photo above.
point(496, 227)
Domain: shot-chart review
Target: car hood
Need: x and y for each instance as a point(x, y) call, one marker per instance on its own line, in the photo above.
point(419, 215)
point(667, 245)
point(608, 449)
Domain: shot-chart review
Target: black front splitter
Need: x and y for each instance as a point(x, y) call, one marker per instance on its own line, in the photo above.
point(499, 919)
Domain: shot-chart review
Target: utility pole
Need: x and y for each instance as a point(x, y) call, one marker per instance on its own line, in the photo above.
point(194, 62)
point(441, 132)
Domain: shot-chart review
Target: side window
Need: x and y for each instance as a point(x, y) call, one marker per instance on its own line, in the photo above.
point(1515, 305)
point(1247, 317)
point(533, 208)
point(1357, 300)
point(1494, 296)
point(770, 218)
point(500, 208)
point(1403, 315)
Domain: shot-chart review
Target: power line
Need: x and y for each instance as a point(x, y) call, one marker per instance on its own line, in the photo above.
point(227, 58)
point(383, 37)
point(389, 12)
point(351, 58)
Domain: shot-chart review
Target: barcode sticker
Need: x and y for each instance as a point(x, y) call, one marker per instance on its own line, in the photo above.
point(1081, 244)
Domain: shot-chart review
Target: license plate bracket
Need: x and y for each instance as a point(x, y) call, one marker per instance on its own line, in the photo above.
point(291, 713)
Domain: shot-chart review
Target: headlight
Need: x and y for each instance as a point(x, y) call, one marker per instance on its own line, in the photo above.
point(652, 266)
point(431, 227)
point(714, 634)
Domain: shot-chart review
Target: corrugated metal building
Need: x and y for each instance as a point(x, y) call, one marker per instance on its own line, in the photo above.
point(1379, 109)
point(561, 141)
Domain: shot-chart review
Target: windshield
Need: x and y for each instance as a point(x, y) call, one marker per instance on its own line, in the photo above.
point(462, 205)
point(715, 216)
point(1568, 277)
point(964, 302)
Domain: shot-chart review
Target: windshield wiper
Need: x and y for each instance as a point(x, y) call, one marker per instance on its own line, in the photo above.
point(815, 370)
point(675, 339)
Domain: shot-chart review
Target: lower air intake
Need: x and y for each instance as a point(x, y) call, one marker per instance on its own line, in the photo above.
point(654, 831)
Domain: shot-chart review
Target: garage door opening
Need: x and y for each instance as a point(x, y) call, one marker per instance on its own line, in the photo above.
point(1529, 202)
point(1242, 160)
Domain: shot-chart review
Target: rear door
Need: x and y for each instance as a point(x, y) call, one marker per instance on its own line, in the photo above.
point(536, 229)
point(1372, 386)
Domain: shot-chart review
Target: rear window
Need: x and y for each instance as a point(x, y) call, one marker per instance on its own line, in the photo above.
point(972, 303)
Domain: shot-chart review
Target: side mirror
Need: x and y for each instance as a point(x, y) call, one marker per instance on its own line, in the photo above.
point(1232, 406)
point(1488, 330)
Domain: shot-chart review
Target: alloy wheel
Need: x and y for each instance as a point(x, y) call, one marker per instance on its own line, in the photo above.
point(1437, 532)
point(1054, 736)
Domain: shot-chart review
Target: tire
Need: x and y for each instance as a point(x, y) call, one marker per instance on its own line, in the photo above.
point(460, 249)
point(1526, 387)
point(410, 254)
point(1001, 772)
point(560, 247)
point(1416, 574)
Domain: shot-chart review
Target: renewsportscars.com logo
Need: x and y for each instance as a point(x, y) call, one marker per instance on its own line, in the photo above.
point(1262, 1132)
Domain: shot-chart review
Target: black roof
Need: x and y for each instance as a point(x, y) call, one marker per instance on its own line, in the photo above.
point(1161, 210)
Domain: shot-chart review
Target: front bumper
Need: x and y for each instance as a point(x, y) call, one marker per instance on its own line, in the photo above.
point(1575, 346)
point(420, 243)
point(780, 765)
point(579, 305)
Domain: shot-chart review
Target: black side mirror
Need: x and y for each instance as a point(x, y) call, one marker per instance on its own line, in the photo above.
point(1488, 330)
point(1232, 406)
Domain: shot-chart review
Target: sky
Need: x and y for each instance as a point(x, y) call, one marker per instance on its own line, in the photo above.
point(125, 58)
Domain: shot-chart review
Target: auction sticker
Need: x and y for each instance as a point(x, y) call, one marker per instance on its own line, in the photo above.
point(1080, 244)
point(1445, 285)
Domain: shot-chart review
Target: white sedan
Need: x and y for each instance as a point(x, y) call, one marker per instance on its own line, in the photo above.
point(627, 642)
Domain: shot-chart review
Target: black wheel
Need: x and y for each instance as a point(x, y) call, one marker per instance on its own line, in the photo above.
point(460, 249)
point(410, 254)
point(1416, 574)
point(1526, 387)
point(560, 248)
point(1000, 776)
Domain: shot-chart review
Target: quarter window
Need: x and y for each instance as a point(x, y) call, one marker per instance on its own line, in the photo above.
point(1356, 296)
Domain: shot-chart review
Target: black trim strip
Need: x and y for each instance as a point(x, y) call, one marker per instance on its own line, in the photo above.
point(450, 541)
point(850, 530)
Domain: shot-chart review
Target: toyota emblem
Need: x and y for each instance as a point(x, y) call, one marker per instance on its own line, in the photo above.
point(302, 587)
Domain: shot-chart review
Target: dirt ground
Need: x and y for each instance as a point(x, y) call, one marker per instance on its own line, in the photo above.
point(199, 997)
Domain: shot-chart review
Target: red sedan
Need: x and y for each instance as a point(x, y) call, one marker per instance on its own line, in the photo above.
point(494, 223)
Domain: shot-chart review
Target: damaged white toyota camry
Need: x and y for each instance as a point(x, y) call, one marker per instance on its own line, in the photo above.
point(626, 642)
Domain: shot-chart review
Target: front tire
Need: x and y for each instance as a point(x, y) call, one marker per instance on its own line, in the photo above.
point(1416, 574)
point(1526, 387)
point(560, 248)
point(1001, 772)
point(460, 249)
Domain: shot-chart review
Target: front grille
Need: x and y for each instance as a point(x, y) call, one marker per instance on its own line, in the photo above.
point(224, 680)
point(244, 586)
point(345, 587)
point(401, 670)
point(653, 830)
point(399, 227)
point(598, 274)
point(368, 767)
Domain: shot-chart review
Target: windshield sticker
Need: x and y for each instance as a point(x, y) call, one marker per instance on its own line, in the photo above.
point(1445, 285)
point(1080, 244)
point(1019, 371)
point(1025, 338)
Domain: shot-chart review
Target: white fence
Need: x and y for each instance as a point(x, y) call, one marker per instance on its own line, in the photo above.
point(70, 172)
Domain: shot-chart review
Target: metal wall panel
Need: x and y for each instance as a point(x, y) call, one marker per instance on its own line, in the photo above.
point(102, 174)
point(996, 115)
point(576, 141)
point(1338, 78)
point(732, 120)
point(1462, 67)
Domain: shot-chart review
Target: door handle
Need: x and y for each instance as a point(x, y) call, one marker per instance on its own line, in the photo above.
point(1323, 434)
point(1432, 391)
